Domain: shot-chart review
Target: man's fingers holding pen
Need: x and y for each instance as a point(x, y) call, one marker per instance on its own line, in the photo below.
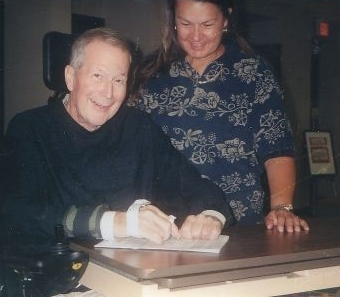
point(155, 225)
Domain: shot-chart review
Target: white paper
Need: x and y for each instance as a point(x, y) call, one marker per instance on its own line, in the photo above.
point(172, 244)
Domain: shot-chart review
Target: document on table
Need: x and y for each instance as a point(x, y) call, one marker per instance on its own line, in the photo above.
point(172, 244)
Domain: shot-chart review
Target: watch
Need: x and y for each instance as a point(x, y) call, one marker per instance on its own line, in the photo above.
point(284, 207)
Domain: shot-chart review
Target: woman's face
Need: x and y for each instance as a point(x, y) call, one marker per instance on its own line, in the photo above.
point(199, 29)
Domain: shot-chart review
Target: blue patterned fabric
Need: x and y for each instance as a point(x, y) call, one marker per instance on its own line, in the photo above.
point(227, 122)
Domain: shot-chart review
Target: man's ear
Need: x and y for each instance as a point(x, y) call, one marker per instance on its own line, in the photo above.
point(69, 77)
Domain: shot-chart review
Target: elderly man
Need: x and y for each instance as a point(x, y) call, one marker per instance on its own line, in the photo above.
point(100, 168)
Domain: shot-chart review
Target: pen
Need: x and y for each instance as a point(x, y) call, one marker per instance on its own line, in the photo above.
point(172, 220)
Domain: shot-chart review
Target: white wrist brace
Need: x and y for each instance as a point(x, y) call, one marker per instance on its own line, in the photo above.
point(132, 218)
point(215, 214)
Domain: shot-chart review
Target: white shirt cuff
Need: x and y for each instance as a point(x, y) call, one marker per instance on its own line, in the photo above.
point(215, 214)
point(106, 225)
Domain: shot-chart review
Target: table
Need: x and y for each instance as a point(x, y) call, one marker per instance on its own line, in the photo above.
point(254, 262)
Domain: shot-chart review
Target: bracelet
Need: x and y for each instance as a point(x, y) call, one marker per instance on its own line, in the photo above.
point(284, 207)
point(132, 222)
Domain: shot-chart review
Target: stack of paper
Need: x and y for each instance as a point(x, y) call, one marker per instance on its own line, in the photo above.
point(172, 244)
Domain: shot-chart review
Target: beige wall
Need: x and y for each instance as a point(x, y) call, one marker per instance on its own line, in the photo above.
point(26, 22)
point(140, 21)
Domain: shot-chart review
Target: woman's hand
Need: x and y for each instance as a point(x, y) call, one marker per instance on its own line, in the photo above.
point(285, 220)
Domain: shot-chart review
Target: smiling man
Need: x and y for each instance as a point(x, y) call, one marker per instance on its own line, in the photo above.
point(100, 168)
point(96, 79)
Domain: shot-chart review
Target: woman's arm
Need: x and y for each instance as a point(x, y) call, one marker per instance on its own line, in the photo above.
point(281, 175)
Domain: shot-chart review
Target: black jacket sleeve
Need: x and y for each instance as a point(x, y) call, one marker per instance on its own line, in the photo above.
point(28, 215)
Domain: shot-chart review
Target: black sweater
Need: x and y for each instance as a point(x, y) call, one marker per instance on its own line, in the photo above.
point(58, 164)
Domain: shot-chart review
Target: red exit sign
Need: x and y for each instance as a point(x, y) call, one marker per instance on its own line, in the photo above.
point(323, 28)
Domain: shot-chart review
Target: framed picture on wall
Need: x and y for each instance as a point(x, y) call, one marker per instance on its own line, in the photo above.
point(320, 153)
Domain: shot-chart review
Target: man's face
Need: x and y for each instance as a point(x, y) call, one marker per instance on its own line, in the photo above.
point(98, 87)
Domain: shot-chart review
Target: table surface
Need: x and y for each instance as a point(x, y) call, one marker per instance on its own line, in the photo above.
point(251, 251)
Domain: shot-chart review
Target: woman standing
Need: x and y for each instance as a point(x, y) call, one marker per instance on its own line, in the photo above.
point(223, 108)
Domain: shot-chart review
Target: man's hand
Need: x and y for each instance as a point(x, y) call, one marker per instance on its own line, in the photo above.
point(201, 227)
point(154, 224)
point(285, 220)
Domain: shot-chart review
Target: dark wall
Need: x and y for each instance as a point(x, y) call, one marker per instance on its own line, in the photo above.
point(1, 68)
point(329, 101)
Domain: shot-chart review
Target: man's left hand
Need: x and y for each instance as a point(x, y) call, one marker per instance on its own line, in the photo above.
point(201, 227)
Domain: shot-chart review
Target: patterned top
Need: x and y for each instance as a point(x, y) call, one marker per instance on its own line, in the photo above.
point(227, 122)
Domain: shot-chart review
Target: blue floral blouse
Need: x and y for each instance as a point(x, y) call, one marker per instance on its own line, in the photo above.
point(227, 122)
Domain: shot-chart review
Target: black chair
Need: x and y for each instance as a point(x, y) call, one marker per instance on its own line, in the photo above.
point(56, 51)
